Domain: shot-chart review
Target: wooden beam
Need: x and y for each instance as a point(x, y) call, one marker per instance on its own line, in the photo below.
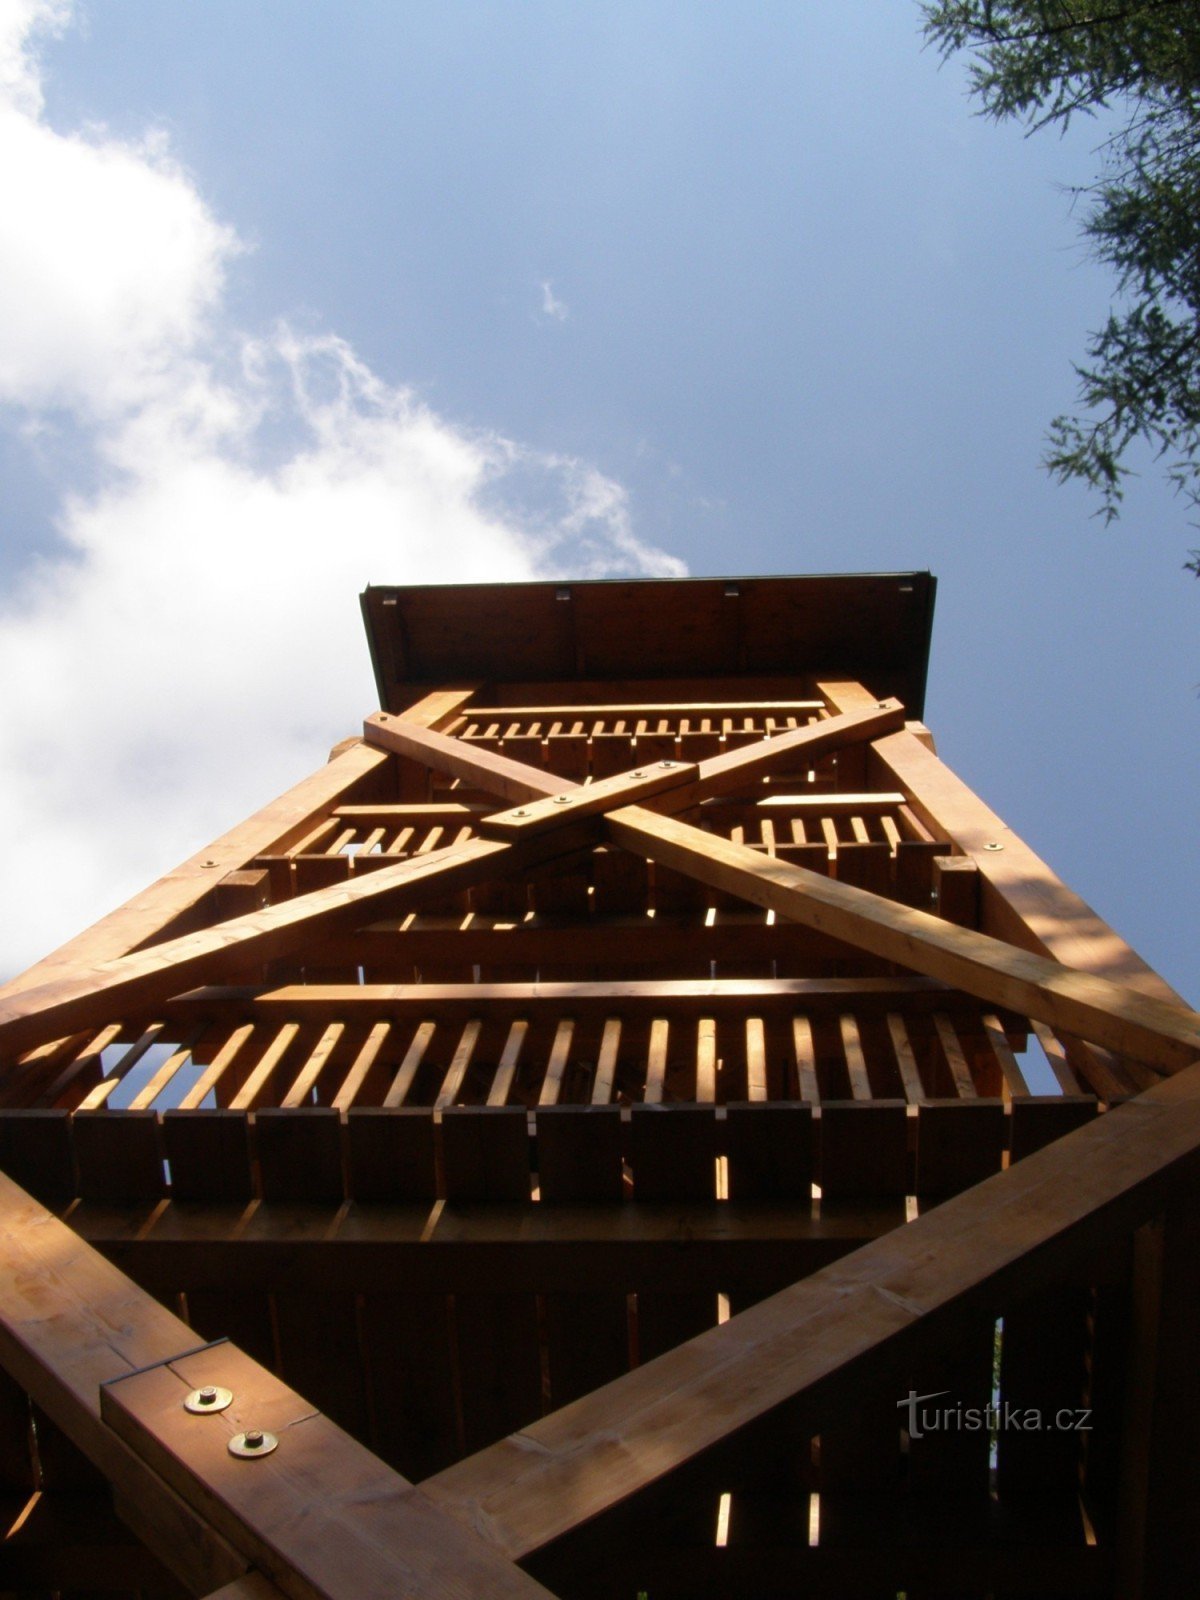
point(150, 976)
point(69, 1321)
point(1165, 1036)
point(278, 825)
point(493, 1247)
point(724, 773)
point(814, 1343)
point(274, 827)
point(525, 785)
point(496, 774)
point(321, 1516)
point(579, 800)
point(1023, 900)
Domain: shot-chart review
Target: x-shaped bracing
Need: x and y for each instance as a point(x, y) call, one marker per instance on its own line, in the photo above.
point(555, 818)
point(640, 811)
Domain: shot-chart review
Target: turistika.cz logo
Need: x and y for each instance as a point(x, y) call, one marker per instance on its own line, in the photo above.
point(1002, 1418)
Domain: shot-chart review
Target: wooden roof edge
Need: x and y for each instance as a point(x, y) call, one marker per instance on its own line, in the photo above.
point(877, 625)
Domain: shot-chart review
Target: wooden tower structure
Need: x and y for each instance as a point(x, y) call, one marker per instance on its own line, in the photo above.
point(580, 1141)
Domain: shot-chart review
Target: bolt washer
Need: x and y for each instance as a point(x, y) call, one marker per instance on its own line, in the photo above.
point(208, 1400)
point(240, 1444)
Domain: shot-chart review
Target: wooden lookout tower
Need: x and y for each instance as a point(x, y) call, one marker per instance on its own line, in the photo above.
point(580, 1141)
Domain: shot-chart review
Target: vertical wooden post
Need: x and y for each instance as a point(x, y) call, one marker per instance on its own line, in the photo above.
point(1158, 1555)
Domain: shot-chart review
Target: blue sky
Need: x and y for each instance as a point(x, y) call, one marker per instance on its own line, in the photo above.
point(301, 296)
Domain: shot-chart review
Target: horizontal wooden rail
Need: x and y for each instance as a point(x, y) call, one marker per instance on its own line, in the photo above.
point(815, 1343)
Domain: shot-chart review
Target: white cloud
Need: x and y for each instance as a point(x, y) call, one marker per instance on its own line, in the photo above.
point(552, 306)
point(194, 646)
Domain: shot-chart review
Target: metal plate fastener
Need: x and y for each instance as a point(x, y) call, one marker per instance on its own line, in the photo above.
point(210, 1398)
point(992, 845)
point(254, 1442)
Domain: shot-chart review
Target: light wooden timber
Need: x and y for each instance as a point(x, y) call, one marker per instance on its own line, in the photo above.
point(1023, 900)
point(322, 1003)
point(33, 1016)
point(495, 774)
point(648, 708)
point(580, 800)
point(69, 1321)
point(525, 785)
point(321, 1516)
point(275, 827)
point(725, 773)
point(1166, 1036)
point(814, 1343)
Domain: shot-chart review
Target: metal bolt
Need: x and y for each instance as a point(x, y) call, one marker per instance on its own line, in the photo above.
point(521, 813)
point(992, 845)
point(562, 799)
point(254, 1442)
point(637, 774)
point(209, 1399)
point(666, 763)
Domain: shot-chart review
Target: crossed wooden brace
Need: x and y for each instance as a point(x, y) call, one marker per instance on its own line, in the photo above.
point(553, 818)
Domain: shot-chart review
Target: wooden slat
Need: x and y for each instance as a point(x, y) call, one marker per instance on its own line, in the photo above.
point(606, 1062)
point(1165, 1035)
point(816, 1339)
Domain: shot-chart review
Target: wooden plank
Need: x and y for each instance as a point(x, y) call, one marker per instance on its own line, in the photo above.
point(315, 1004)
point(366, 1068)
point(119, 1156)
point(769, 1152)
point(453, 1081)
point(656, 1062)
point(673, 1156)
point(209, 1155)
point(486, 1158)
point(812, 1342)
point(321, 1516)
point(956, 890)
point(36, 1151)
point(1164, 1035)
point(806, 1060)
point(556, 1066)
point(906, 1060)
point(959, 1143)
point(300, 1154)
point(606, 1062)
